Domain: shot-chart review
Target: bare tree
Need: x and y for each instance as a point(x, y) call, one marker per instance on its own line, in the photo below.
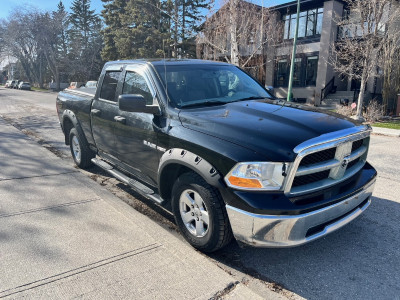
point(391, 68)
point(20, 41)
point(363, 33)
point(238, 32)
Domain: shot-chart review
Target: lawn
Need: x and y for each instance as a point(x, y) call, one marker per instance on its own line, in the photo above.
point(395, 124)
point(38, 89)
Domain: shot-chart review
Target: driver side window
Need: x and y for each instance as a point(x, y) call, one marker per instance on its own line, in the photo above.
point(135, 83)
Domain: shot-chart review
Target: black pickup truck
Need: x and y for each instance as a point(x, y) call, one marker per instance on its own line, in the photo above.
point(209, 142)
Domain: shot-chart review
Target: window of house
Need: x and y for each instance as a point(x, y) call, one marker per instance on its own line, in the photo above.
point(310, 23)
point(137, 85)
point(304, 73)
point(109, 86)
point(311, 70)
point(282, 72)
point(297, 74)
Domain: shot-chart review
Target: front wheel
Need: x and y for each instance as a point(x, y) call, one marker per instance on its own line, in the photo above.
point(80, 151)
point(200, 213)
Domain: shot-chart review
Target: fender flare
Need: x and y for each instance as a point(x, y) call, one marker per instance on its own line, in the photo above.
point(69, 114)
point(191, 161)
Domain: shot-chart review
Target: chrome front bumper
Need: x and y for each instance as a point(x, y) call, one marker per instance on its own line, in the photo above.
point(287, 231)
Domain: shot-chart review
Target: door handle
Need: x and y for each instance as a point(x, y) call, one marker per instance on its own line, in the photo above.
point(96, 112)
point(120, 119)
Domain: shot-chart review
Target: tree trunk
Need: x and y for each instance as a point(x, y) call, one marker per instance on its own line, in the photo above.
point(233, 7)
point(361, 95)
point(176, 29)
point(58, 86)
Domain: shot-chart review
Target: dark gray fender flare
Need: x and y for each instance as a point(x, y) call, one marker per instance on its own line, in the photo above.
point(69, 114)
point(191, 161)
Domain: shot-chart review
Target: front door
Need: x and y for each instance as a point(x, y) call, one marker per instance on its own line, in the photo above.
point(135, 133)
point(104, 109)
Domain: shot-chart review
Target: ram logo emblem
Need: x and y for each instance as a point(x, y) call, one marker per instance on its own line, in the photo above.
point(345, 161)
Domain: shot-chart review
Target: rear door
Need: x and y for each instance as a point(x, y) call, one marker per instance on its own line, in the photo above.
point(105, 108)
point(135, 133)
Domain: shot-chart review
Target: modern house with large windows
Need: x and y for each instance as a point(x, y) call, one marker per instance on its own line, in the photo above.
point(314, 77)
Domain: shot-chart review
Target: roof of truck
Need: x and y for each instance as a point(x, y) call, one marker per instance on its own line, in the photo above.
point(168, 61)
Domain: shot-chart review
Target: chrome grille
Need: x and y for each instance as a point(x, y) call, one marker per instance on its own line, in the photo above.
point(328, 162)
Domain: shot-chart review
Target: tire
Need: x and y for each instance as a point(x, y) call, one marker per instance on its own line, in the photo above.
point(200, 213)
point(80, 151)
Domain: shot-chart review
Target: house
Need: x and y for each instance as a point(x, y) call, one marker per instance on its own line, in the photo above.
point(314, 80)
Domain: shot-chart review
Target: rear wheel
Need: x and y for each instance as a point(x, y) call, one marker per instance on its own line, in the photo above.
point(200, 213)
point(80, 151)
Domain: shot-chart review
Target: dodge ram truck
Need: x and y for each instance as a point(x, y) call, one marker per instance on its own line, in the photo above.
point(207, 141)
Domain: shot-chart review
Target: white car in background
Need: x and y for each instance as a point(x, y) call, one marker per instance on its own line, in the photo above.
point(91, 84)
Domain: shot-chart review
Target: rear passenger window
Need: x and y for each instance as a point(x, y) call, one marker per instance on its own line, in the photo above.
point(109, 85)
point(136, 84)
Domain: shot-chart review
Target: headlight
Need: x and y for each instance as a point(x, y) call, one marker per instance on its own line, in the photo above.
point(267, 176)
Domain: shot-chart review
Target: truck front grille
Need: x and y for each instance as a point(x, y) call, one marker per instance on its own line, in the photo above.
point(326, 165)
point(318, 157)
point(307, 179)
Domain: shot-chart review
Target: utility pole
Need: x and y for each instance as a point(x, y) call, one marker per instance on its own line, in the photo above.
point(290, 87)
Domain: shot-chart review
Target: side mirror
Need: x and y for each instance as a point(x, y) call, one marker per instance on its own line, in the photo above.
point(270, 89)
point(137, 103)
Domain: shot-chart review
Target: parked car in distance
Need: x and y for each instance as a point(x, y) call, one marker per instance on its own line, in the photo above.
point(91, 84)
point(75, 85)
point(8, 83)
point(24, 86)
point(15, 83)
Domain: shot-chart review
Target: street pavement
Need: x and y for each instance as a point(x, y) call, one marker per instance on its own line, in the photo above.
point(64, 236)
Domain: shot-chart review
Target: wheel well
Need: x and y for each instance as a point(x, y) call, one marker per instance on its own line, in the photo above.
point(168, 176)
point(67, 126)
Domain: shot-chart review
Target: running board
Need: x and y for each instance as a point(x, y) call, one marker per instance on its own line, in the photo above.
point(134, 184)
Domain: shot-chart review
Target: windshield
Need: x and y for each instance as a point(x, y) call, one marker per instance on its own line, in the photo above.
point(196, 84)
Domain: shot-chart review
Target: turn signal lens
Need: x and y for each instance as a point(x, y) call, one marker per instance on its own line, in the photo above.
point(244, 182)
point(267, 176)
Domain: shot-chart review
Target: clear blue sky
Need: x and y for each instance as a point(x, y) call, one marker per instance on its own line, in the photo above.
point(6, 6)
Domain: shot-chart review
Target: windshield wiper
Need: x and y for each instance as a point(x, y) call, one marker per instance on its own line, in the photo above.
point(249, 98)
point(205, 103)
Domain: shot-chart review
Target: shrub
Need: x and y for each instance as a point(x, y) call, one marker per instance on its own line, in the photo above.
point(373, 112)
point(345, 111)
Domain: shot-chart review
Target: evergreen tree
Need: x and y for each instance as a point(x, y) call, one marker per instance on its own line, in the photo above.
point(153, 28)
point(134, 29)
point(192, 13)
point(112, 13)
point(85, 41)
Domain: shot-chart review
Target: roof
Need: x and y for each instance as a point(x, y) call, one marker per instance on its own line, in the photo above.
point(168, 61)
point(304, 4)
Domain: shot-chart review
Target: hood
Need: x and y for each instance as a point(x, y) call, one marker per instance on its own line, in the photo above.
point(270, 128)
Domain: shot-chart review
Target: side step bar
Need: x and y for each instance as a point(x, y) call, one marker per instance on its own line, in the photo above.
point(134, 184)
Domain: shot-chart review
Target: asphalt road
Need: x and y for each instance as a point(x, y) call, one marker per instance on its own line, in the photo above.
point(360, 261)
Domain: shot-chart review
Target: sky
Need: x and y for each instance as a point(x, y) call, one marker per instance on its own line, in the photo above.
point(6, 6)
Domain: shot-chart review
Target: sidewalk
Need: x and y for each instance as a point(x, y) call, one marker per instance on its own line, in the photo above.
point(386, 131)
point(64, 236)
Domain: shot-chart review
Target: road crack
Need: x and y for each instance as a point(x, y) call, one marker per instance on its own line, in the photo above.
point(227, 290)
